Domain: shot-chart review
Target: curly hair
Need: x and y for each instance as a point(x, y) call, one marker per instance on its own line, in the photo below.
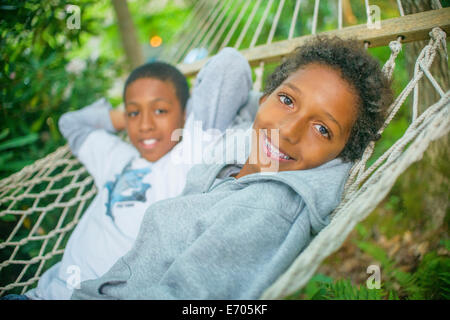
point(360, 70)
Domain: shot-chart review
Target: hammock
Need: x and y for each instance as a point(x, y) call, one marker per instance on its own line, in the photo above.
point(41, 204)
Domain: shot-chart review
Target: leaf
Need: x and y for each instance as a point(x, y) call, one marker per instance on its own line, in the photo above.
point(4, 133)
point(392, 295)
point(320, 294)
point(27, 223)
point(445, 243)
point(19, 142)
point(362, 231)
point(315, 289)
point(8, 218)
point(16, 165)
point(375, 252)
point(53, 129)
point(5, 156)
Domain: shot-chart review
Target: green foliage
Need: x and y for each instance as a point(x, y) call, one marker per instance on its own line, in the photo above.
point(36, 84)
point(322, 287)
point(344, 290)
point(432, 278)
point(165, 23)
point(7, 160)
point(18, 142)
point(391, 274)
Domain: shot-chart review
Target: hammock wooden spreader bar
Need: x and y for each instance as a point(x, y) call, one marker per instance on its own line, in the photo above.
point(413, 27)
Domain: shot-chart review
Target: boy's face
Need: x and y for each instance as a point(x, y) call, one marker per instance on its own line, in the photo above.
point(313, 111)
point(153, 112)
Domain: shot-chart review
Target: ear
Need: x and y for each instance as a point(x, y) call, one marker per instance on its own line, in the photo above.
point(184, 116)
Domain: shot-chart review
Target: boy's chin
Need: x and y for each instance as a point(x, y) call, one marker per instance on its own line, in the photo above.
point(155, 154)
point(152, 155)
point(151, 158)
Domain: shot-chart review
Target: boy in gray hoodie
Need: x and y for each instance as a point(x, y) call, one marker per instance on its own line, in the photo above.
point(237, 227)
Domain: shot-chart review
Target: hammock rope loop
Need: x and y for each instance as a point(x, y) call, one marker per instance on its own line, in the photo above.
point(359, 173)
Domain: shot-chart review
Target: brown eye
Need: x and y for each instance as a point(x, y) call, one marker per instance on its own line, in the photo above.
point(160, 111)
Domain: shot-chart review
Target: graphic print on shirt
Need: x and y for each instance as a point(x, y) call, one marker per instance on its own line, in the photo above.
point(127, 187)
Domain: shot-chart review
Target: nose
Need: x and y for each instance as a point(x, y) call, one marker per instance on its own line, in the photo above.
point(292, 128)
point(146, 121)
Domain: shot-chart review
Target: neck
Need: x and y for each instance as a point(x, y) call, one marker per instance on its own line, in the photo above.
point(246, 170)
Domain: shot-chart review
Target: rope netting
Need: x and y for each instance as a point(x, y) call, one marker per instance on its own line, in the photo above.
point(41, 205)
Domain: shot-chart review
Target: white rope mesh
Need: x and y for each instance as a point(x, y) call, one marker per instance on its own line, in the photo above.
point(43, 202)
point(219, 34)
point(57, 188)
point(215, 26)
point(247, 25)
point(294, 19)
point(235, 25)
point(189, 26)
point(201, 24)
point(315, 17)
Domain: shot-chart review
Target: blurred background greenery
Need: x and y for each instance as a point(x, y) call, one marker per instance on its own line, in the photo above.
point(47, 69)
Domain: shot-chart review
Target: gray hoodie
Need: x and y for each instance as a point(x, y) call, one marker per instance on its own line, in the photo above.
point(223, 238)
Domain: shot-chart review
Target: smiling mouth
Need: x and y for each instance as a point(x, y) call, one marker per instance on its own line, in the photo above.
point(273, 152)
point(148, 143)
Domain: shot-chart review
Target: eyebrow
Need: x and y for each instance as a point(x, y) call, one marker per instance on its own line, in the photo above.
point(151, 102)
point(329, 116)
point(293, 87)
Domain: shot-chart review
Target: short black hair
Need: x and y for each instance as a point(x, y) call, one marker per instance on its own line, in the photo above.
point(164, 72)
point(360, 70)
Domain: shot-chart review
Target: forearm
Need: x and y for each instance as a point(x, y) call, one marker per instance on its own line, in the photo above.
point(75, 126)
point(222, 87)
point(248, 111)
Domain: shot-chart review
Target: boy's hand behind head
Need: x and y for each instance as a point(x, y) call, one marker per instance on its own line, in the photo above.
point(118, 119)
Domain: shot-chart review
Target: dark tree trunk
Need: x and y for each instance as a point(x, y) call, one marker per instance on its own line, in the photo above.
point(439, 69)
point(433, 170)
point(128, 35)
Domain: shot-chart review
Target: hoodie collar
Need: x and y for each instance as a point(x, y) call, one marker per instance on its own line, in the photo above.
point(300, 182)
